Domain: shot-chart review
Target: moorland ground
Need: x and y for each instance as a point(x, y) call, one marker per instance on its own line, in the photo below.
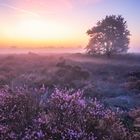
point(114, 81)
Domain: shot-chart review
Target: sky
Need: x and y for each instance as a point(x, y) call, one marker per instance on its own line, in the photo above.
point(61, 23)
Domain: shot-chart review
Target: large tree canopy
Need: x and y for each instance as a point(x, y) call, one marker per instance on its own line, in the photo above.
point(109, 36)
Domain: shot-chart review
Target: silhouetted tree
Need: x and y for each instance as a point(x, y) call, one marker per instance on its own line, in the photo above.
point(109, 36)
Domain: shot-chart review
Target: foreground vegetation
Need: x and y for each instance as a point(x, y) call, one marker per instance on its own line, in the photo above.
point(73, 97)
point(62, 115)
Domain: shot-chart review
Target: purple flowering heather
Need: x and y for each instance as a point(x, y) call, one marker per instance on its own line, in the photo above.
point(62, 116)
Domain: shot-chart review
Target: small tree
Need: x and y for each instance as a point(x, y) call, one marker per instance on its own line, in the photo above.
point(109, 36)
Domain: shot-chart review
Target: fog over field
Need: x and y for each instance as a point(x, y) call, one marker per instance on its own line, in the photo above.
point(115, 79)
point(69, 70)
point(47, 92)
point(45, 50)
point(41, 50)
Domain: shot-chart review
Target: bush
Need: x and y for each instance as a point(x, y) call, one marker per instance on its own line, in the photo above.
point(66, 115)
point(70, 116)
point(16, 113)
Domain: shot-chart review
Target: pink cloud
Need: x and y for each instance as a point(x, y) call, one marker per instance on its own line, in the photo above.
point(91, 1)
point(50, 5)
point(54, 4)
point(47, 6)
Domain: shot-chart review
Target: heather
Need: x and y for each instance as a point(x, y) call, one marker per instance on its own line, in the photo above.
point(62, 115)
point(70, 97)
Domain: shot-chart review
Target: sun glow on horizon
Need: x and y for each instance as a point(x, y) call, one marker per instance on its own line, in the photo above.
point(31, 28)
point(40, 29)
point(40, 32)
point(60, 23)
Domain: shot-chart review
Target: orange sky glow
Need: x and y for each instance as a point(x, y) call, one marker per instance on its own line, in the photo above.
point(57, 23)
